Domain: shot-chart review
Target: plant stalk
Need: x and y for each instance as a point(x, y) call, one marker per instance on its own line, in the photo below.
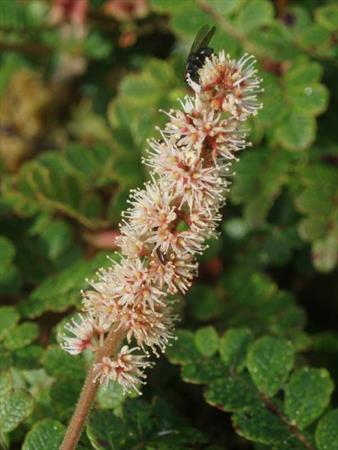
point(293, 428)
point(88, 393)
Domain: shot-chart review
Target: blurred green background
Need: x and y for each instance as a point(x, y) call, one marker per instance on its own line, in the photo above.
point(81, 85)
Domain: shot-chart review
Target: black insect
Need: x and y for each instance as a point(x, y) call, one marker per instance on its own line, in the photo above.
point(199, 52)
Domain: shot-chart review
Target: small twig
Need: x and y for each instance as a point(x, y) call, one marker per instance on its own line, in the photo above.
point(231, 29)
point(88, 393)
point(24, 29)
point(281, 6)
point(25, 48)
point(293, 428)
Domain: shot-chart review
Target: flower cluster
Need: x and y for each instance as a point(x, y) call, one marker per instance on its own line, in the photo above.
point(125, 369)
point(169, 220)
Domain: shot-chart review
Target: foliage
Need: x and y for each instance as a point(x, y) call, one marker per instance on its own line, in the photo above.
point(80, 96)
point(244, 377)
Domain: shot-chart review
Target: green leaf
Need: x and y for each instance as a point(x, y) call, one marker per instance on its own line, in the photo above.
point(56, 235)
point(226, 8)
point(48, 184)
point(311, 99)
point(327, 431)
point(317, 202)
point(59, 363)
point(153, 88)
point(269, 362)
point(140, 90)
point(303, 90)
point(21, 336)
point(6, 361)
point(13, 411)
point(5, 385)
point(28, 357)
point(64, 394)
point(325, 252)
point(92, 165)
point(201, 371)
point(260, 302)
point(327, 16)
point(207, 341)
point(204, 303)
point(275, 245)
point(96, 47)
point(255, 14)
point(307, 394)
point(273, 101)
point(297, 131)
point(260, 177)
point(106, 431)
point(233, 347)
point(8, 319)
point(258, 424)
point(10, 63)
point(46, 434)
point(59, 291)
point(184, 23)
point(7, 252)
point(317, 38)
point(232, 393)
point(14, 408)
point(300, 74)
point(111, 396)
point(155, 425)
point(183, 350)
point(17, 16)
point(274, 42)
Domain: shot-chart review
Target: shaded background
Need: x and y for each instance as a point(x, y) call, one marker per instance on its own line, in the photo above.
point(81, 83)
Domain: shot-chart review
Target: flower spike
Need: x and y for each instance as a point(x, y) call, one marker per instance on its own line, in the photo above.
point(169, 220)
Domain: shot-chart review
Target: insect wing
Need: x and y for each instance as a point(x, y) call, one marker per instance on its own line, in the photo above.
point(208, 37)
point(200, 39)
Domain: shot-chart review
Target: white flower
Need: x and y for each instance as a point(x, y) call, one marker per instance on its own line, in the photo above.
point(205, 223)
point(167, 240)
point(97, 303)
point(193, 125)
point(172, 272)
point(229, 85)
point(83, 331)
point(151, 208)
point(230, 139)
point(186, 175)
point(129, 283)
point(126, 369)
point(149, 328)
point(131, 243)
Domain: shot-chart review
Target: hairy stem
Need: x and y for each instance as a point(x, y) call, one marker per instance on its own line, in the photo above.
point(88, 393)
